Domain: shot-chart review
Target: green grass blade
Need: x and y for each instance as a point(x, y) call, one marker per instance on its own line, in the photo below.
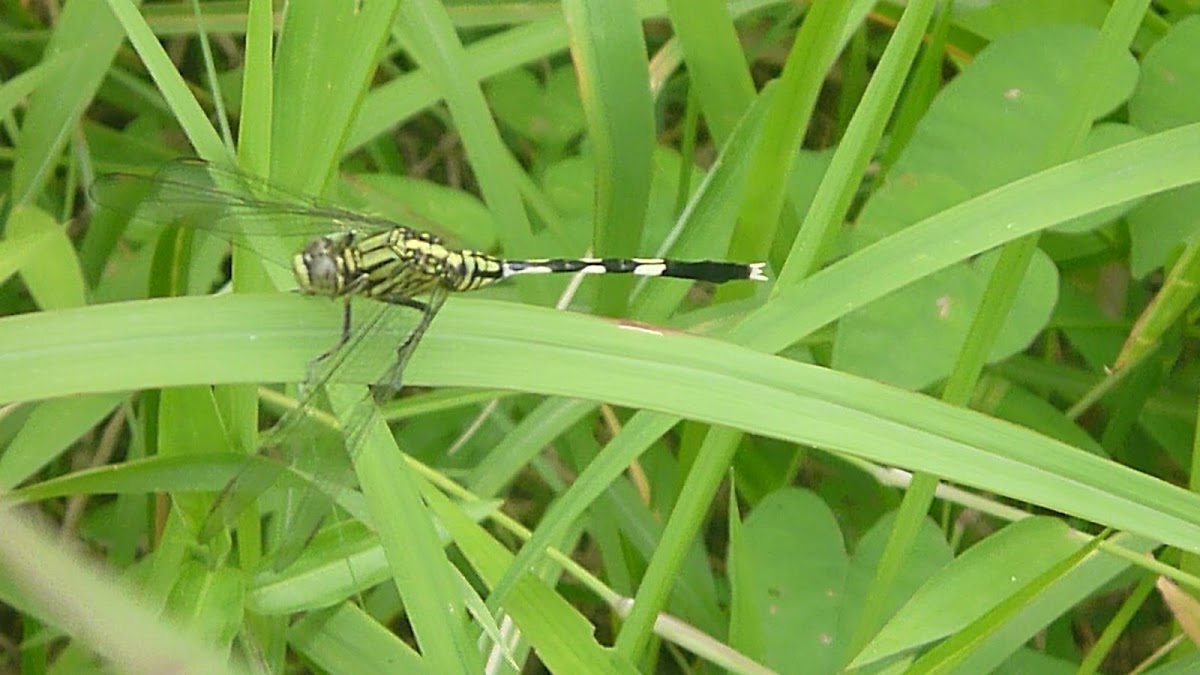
point(84, 41)
point(438, 49)
point(816, 45)
point(183, 104)
point(716, 65)
point(346, 639)
point(1147, 166)
point(609, 53)
point(307, 139)
point(66, 591)
point(270, 338)
point(423, 576)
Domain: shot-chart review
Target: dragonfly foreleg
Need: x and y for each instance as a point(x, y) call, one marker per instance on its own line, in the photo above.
point(343, 338)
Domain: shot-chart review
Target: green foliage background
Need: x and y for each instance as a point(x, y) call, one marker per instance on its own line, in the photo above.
point(944, 437)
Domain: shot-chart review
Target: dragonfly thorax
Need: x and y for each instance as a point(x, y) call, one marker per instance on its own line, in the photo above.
point(318, 268)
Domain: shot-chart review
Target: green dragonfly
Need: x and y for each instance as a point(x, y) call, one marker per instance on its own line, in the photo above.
point(348, 255)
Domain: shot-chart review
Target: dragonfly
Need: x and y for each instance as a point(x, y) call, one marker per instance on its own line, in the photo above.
point(347, 255)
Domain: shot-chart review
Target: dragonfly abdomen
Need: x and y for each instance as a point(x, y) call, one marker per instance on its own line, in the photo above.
point(399, 264)
point(703, 270)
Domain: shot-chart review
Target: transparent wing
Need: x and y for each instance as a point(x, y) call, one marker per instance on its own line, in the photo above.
point(300, 432)
point(245, 210)
point(384, 330)
point(224, 200)
point(324, 460)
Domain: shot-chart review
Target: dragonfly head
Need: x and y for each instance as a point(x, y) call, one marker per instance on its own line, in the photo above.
point(317, 268)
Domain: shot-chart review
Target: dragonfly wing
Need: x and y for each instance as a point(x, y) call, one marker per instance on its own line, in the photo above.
point(387, 325)
point(305, 430)
point(320, 452)
point(212, 194)
point(322, 460)
point(296, 435)
point(246, 211)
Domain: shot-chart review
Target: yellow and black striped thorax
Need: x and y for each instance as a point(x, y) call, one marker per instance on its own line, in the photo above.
point(399, 264)
point(392, 265)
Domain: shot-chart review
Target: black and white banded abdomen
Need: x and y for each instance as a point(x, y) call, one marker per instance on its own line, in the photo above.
point(712, 271)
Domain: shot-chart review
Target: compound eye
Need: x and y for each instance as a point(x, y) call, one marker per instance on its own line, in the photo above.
point(317, 269)
point(323, 271)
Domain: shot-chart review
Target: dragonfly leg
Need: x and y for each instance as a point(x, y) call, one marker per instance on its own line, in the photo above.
point(409, 302)
point(393, 380)
point(342, 340)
